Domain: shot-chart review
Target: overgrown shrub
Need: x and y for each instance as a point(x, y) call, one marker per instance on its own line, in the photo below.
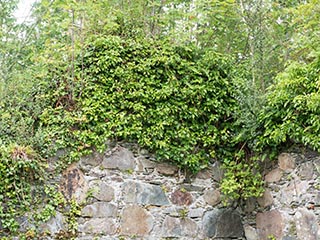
point(292, 112)
point(173, 100)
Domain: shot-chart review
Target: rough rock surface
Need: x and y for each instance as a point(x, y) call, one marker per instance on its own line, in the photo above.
point(181, 197)
point(125, 194)
point(212, 197)
point(177, 227)
point(144, 194)
point(306, 224)
point(270, 224)
point(222, 223)
point(136, 220)
point(120, 158)
point(73, 184)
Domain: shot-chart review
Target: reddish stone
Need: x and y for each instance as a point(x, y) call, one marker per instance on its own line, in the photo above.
point(136, 221)
point(286, 162)
point(212, 197)
point(181, 197)
point(274, 176)
point(266, 199)
point(166, 169)
point(270, 224)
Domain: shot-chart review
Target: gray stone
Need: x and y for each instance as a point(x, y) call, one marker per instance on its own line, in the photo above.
point(274, 176)
point(180, 197)
point(217, 171)
point(136, 221)
point(174, 211)
point(286, 162)
point(250, 205)
point(289, 238)
point(306, 224)
point(306, 170)
point(102, 192)
point(270, 224)
point(222, 223)
point(266, 199)
point(196, 213)
point(212, 197)
point(144, 194)
point(250, 233)
point(166, 169)
point(145, 165)
point(192, 187)
point(99, 210)
point(73, 184)
point(55, 224)
point(179, 227)
point(121, 158)
point(294, 191)
point(98, 226)
point(93, 159)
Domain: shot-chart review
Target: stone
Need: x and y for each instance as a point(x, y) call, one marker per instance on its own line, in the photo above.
point(217, 171)
point(192, 187)
point(136, 221)
point(173, 211)
point(98, 226)
point(145, 165)
point(180, 197)
point(250, 233)
point(205, 174)
point(222, 223)
point(93, 159)
point(289, 238)
point(55, 224)
point(266, 199)
point(294, 191)
point(250, 205)
point(99, 210)
point(144, 194)
point(270, 224)
point(179, 227)
point(73, 184)
point(166, 169)
point(103, 192)
point(120, 158)
point(286, 162)
point(196, 213)
point(274, 176)
point(306, 224)
point(306, 170)
point(212, 197)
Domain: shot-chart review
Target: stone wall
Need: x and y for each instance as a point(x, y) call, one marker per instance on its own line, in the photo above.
point(289, 208)
point(127, 195)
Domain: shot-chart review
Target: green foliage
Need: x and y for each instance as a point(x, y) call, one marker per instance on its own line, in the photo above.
point(67, 84)
point(292, 111)
point(242, 178)
point(170, 99)
point(20, 168)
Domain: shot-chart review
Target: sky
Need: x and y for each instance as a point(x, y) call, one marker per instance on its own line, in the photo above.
point(23, 11)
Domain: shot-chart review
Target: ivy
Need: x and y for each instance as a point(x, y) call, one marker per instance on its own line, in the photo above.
point(20, 169)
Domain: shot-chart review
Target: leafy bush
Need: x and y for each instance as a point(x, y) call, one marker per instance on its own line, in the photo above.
point(293, 108)
point(173, 100)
